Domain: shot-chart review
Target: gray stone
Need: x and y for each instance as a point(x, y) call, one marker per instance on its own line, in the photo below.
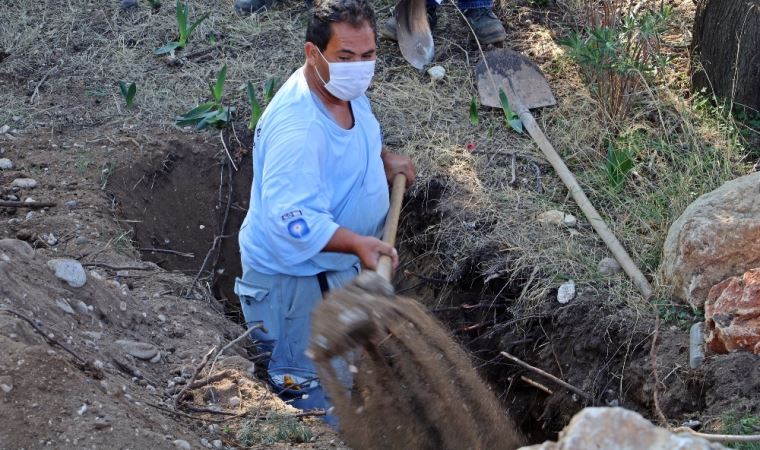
point(69, 270)
point(5, 164)
point(15, 221)
point(214, 429)
point(94, 335)
point(7, 388)
point(715, 238)
point(24, 183)
point(182, 444)
point(64, 306)
point(50, 239)
point(609, 266)
point(620, 429)
point(566, 292)
point(72, 204)
point(205, 443)
point(234, 402)
point(139, 350)
point(218, 445)
point(82, 308)
point(16, 246)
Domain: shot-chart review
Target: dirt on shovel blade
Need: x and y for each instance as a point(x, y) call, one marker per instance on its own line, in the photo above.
point(413, 387)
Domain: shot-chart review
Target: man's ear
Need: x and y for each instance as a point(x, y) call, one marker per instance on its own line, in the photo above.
point(312, 53)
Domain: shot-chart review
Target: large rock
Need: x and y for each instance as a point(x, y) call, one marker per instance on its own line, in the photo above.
point(69, 270)
point(620, 429)
point(718, 236)
point(732, 314)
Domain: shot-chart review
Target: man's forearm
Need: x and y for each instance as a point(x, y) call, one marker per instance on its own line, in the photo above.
point(343, 241)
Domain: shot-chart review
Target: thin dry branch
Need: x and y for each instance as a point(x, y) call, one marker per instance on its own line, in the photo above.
point(564, 384)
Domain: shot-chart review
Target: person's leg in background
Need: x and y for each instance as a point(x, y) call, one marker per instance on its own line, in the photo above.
point(479, 13)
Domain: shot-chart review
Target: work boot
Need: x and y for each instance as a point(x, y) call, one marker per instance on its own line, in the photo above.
point(388, 30)
point(488, 28)
point(247, 7)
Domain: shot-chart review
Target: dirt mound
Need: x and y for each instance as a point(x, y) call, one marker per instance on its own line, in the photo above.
point(415, 387)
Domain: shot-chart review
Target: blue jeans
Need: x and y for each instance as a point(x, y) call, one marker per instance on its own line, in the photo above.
point(283, 305)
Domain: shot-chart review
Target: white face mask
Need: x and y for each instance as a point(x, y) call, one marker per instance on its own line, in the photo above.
point(348, 80)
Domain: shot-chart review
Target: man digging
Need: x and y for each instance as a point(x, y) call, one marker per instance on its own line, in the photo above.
point(319, 196)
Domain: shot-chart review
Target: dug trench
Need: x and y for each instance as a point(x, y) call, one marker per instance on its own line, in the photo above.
point(184, 204)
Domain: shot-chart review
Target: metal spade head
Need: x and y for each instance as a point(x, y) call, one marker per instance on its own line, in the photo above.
point(413, 32)
point(517, 75)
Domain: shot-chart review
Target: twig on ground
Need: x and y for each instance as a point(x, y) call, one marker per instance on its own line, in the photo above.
point(235, 341)
point(221, 136)
point(31, 205)
point(36, 92)
point(653, 360)
point(47, 338)
point(181, 414)
point(198, 369)
point(549, 376)
point(211, 379)
point(166, 250)
point(536, 385)
point(513, 160)
point(110, 267)
point(194, 408)
point(719, 437)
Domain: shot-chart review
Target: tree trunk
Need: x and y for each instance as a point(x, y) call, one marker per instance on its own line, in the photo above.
point(725, 50)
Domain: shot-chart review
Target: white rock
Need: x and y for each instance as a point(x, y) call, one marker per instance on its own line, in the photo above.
point(620, 429)
point(214, 428)
point(566, 292)
point(24, 183)
point(94, 335)
point(156, 358)
point(570, 221)
point(217, 444)
point(4, 129)
point(551, 217)
point(7, 388)
point(436, 73)
point(82, 410)
point(69, 270)
point(5, 164)
point(63, 304)
point(609, 266)
point(162, 318)
point(205, 443)
point(182, 444)
point(234, 402)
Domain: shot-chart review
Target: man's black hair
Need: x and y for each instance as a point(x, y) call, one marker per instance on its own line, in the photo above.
point(326, 12)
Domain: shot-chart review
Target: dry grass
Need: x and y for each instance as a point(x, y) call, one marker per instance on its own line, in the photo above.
point(487, 226)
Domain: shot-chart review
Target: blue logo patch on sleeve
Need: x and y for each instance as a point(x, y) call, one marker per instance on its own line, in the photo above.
point(298, 228)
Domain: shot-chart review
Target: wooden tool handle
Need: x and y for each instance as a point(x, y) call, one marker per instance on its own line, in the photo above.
point(583, 202)
point(385, 264)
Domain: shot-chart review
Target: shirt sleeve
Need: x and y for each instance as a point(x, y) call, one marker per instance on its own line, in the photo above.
point(295, 198)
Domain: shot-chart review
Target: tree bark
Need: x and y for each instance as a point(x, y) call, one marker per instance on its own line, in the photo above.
point(725, 50)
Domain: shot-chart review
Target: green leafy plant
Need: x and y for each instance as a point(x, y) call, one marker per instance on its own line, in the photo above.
point(513, 120)
point(619, 164)
point(128, 92)
point(212, 113)
point(474, 117)
point(270, 88)
point(617, 52)
point(743, 426)
point(277, 428)
point(185, 30)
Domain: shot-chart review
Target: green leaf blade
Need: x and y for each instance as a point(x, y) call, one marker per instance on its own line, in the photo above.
point(474, 117)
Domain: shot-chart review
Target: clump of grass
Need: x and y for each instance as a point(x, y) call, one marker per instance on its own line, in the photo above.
point(270, 88)
point(278, 428)
point(184, 27)
point(733, 424)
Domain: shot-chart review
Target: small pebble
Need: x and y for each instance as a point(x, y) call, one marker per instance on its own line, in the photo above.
point(25, 183)
point(609, 266)
point(82, 410)
point(182, 444)
point(217, 443)
point(570, 221)
point(72, 204)
point(551, 217)
point(64, 306)
point(162, 318)
point(234, 402)
point(5, 164)
point(13, 222)
point(122, 306)
point(7, 388)
point(436, 73)
point(69, 270)
point(214, 428)
point(205, 443)
point(566, 292)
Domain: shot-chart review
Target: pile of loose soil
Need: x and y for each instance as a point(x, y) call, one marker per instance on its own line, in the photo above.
point(415, 387)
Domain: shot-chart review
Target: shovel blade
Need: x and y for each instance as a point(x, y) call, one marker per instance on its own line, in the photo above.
point(415, 38)
point(509, 68)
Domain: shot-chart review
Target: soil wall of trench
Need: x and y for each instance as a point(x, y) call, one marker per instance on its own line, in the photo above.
point(185, 209)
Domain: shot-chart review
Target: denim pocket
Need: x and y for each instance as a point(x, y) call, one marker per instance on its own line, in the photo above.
point(260, 308)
